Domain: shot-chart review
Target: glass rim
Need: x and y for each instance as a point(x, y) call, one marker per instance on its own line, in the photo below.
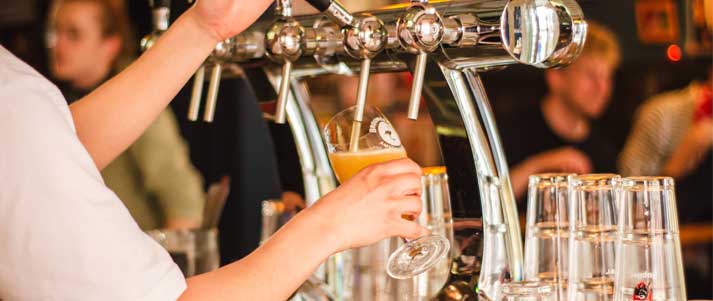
point(595, 179)
point(325, 128)
point(547, 179)
point(351, 108)
point(433, 170)
point(433, 175)
point(648, 181)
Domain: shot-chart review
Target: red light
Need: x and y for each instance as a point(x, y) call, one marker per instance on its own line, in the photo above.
point(673, 52)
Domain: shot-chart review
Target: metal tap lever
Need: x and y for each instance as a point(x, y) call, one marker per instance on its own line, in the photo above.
point(364, 41)
point(421, 30)
point(212, 97)
point(221, 52)
point(196, 94)
point(284, 45)
point(417, 86)
point(282, 93)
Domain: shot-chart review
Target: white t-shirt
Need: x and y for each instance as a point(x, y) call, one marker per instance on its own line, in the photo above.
point(63, 234)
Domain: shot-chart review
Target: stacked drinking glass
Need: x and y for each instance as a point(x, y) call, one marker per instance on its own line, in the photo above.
point(598, 237)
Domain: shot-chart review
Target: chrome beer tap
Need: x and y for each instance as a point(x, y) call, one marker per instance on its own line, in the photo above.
point(284, 45)
point(363, 38)
point(474, 36)
point(160, 13)
point(364, 41)
point(420, 29)
point(221, 54)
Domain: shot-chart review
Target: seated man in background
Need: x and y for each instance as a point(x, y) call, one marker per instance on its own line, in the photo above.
point(673, 136)
point(558, 136)
point(89, 41)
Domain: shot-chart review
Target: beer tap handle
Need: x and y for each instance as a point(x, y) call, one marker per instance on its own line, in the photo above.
point(212, 96)
point(283, 92)
point(421, 30)
point(362, 89)
point(360, 103)
point(417, 86)
point(196, 94)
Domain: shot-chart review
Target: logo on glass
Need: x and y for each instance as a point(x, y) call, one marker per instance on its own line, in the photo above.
point(642, 291)
point(382, 127)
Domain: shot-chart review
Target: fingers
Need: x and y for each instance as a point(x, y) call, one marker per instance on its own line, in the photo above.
point(409, 230)
point(402, 185)
point(399, 166)
point(410, 205)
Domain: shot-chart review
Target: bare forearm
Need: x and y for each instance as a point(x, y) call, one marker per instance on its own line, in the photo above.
point(519, 177)
point(273, 271)
point(110, 118)
point(684, 159)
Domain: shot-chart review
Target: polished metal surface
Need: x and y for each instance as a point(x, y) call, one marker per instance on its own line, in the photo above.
point(509, 206)
point(212, 96)
point(284, 45)
point(551, 36)
point(196, 93)
point(217, 60)
point(339, 14)
point(420, 29)
point(475, 34)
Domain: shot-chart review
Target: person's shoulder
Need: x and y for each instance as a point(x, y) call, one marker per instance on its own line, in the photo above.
point(665, 103)
point(28, 92)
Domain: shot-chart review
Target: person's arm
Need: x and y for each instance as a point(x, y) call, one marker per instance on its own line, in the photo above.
point(691, 150)
point(166, 172)
point(110, 118)
point(564, 159)
point(361, 211)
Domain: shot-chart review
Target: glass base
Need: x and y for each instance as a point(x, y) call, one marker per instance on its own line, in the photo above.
point(417, 256)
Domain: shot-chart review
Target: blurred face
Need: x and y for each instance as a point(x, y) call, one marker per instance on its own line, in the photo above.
point(80, 51)
point(585, 86)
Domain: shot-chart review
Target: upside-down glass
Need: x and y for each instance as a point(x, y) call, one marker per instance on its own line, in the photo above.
point(528, 291)
point(593, 220)
point(547, 232)
point(648, 263)
point(378, 142)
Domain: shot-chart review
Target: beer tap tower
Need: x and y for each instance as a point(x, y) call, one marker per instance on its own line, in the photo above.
point(446, 45)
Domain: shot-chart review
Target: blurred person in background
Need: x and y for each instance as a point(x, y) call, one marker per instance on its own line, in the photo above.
point(558, 135)
point(673, 136)
point(89, 42)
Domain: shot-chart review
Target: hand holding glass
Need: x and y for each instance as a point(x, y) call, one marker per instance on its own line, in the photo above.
point(377, 142)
